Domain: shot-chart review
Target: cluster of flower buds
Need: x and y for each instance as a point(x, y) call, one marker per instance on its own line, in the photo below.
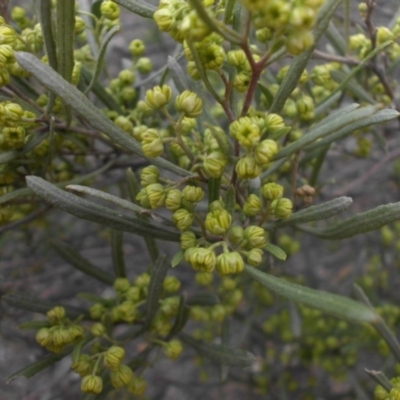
point(59, 332)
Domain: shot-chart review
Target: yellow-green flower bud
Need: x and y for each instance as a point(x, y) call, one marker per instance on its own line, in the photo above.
point(13, 113)
point(56, 315)
point(246, 132)
point(298, 42)
point(201, 259)
point(218, 222)
point(98, 329)
point(158, 97)
point(44, 337)
point(83, 365)
point(121, 284)
point(137, 47)
point(198, 313)
point(305, 107)
point(188, 239)
point(121, 376)
point(188, 125)
point(218, 312)
point(255, 237)
point(254, 257)
point(204, 278)
point(265, 151)
point(183, 219)
point(133, 294)
point(149, 175)
point(114, 356)
point(173, 199)
point(60, 336)
point(274, 123)
point(282, 208)
point(193, 71)
point(152, 143)
point(173, 349)
point(143, 198)
point(80, 26)
point(272, 191)
point(142, 280)
point(109, 10)
point(75, 332)
point(7, 35)
point(248, 168)
point(252, 206)
point(189, 103)
point(238, 59)
point(92, 383)
point(236, 235)
point(97, 311)
point(127, 94)
point(194, 27)
point(144, 65)
point(264, 35)
point(164, 18)
point(171, 284)
point(126, 77)
point(156, 195)
point(383, 34)
point(137, 386)
point(214, 164)
point(4, 77)
point(230, 263)
point(241, 81)
point(192, 194)
point(14, 137)
point(228, 284)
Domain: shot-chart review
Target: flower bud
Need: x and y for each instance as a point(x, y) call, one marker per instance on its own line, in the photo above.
point(173, 349)
point(13, 113)
point(152, 143)
point(282, 208)
point(236, 235)
point(194, 27)
point(298, 42)
point(143, 198)
point(218, 312)
point(121, 376)
point(137, 47)
point(265, 151)
point(214, 164)
point(183, 219)
point(92, 384)
point(137, 386)
point(246, 132)
point(158, 97)
point(126, 77)
point(255, 237)
point(305, 107)
point(238, 59)
point(241, 81)
point(204, 278)
point(252, 206)
point(149, 175)
point(173, 199)
point(75, 332)
point(164, 18)
point(97, 311)
point(133, 294)
point(272, 191)
point(264, 35)
point(60, 336)
point(56, 315)
point(274, 123)
point(230, 263)
point(44, 337)
point(248, 168)
point(201, 259)
point(156, 195)
point(188, 239)
point(6, 55)
point(383, 34)
point(114, 356)
point(8, 35)
point(254, 257)
point(193, 71)
point(121, 284)
point(144, 65)
point(83, 365)
point(109, 10)
point(218, 222)
point(192, 194)
point(189, 103)
point(171, 284)
point(98, 329)
point(142, 280)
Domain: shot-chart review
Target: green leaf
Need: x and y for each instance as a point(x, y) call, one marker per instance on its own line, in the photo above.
point(333, 304)
point(267, 93)
point(46, 24)
point(177, 258)
point(73, 257)
point(300, 62)
point(90, 211)
point(336, 39)
point(214, 185)
point(100, 57)
point(78, 347)
point(324, 129)
point(220, 354)
point(30, 303)
point(34, 325)
point(203, 299)
point(321, 211)
point(230, 199)
point(38, 366)
point(275, 251)
point(177, 74)
point(144, 9)
point(158, 274)
point(182, 317)
point(117, 245)
point(360, 223)
point(84, 107)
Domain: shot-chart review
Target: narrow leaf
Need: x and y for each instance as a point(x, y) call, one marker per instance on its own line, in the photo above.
point(275, 251)
point(46, 24)
point(213, 189)
point(38, 366)
point(220, 354)
point(73, 257)
point(84, 107)
point(333, 304)
point(177, 258)
point(90, 211)
point(158, 274)
point(203, 299)
point(321, 211)
point(360, 223)
point(177, 74)
point(230, 199)
point(182, 317)
point(34, 325)
point(78, 347)
point(144, 9)
point(117, 246)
